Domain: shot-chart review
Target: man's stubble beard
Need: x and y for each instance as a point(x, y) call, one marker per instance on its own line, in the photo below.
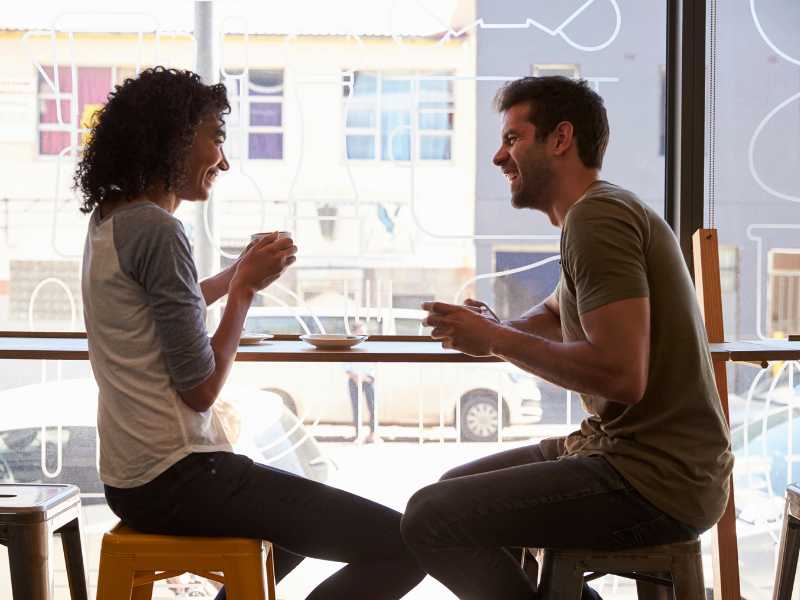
point(535, 188)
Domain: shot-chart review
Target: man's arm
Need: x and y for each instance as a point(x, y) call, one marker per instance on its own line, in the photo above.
point(612, 362)
point(543, 320)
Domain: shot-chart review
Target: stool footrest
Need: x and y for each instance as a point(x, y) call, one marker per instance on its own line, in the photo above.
point(153, 577)
point(209, 575)
point(678, 566)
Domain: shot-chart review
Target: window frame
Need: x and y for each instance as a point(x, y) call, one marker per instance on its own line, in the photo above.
point(243, 108)
point(548, 69)
point(72, 127)
point(376, 104)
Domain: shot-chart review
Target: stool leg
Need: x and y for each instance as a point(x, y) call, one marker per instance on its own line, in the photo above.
point(270, 571)
point(29, 561)
point(561, 579)
point(787, 557)
point(646, 590)
point(145, 591)
point(687, 577)
point(245, 578)
point(116, 578)
point(73, 557)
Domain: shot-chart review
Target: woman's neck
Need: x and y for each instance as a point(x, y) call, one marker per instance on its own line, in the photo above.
point(169, 202)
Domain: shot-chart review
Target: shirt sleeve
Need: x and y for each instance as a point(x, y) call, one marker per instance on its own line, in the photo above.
point(156, 254)
point(604, 253)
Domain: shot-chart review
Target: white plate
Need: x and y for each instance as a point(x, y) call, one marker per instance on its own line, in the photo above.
point(253, 339)
point(332, 340)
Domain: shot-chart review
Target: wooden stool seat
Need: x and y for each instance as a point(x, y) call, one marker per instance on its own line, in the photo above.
point(130, 562)
point(790, 546)
point(30, 514)
point(563, 571)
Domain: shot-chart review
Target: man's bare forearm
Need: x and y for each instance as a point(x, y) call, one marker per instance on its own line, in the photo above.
point(577, 366)
point(540, 321)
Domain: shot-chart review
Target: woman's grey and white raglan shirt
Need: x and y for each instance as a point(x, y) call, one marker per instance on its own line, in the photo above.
point(145, 320)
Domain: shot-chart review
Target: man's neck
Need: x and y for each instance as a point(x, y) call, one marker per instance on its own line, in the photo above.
point(567, 192)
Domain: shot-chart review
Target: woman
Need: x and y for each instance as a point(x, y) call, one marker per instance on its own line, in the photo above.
point(165, 461)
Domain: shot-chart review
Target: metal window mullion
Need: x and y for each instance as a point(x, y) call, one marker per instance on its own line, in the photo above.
point(685, 132)
point(415, 138)
point(73, 107)
point(378, 117)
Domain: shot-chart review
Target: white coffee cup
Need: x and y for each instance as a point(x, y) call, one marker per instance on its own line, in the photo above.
point(281, 234)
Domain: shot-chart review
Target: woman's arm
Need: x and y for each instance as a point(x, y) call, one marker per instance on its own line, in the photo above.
point(258, 267)
point(216, 286)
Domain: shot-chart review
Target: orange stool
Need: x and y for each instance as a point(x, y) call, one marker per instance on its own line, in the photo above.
point(131, 561)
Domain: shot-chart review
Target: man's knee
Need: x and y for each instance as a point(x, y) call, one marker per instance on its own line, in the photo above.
point(422, 518)
point(451, 474)
point(461, 471)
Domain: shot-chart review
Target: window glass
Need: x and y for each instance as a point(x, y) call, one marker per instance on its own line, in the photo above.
point(255, 122)
point(93, 86)
point(360, 147)
point(423, 101)
point(752, 195)
point(369, 135)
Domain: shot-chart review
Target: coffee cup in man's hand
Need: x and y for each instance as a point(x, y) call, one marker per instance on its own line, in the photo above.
point(281, 234)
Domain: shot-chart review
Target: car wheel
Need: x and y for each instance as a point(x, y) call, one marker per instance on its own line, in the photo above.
point(479, 418)
point(288, 401)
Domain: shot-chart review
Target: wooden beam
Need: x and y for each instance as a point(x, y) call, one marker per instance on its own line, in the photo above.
point(705, 246)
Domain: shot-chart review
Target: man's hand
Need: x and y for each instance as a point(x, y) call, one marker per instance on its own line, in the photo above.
point(482, 308)
point(462, 328)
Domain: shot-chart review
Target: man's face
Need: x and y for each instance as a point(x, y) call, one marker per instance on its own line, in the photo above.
point(524, 161)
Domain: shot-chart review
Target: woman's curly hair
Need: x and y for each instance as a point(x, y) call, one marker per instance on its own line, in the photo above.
point(141, 137)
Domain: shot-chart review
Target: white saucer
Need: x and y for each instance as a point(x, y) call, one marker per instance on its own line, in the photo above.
point(332, 340)
point(253, 339)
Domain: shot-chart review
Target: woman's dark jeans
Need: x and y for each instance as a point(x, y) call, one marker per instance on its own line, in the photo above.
point(226, 494)
point(461, 528)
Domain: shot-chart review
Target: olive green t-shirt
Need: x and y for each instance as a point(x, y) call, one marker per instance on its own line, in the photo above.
point(673, 446)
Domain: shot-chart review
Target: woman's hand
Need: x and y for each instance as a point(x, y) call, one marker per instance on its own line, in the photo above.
point(263, 262)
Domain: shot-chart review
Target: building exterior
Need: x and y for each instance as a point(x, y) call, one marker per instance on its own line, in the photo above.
point(360, 143)
point(369, 134)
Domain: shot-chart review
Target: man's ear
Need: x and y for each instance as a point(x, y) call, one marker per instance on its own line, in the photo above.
point(562, 138)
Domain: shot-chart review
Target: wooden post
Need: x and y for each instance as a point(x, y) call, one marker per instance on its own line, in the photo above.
point(705, 246)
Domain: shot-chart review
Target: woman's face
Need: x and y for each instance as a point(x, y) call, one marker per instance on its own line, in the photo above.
point(206, 159)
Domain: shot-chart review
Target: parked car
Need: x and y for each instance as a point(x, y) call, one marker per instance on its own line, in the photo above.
point(48, 433)
point(405, 393)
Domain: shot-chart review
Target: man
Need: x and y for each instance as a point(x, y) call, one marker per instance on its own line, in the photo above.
point(650, 464)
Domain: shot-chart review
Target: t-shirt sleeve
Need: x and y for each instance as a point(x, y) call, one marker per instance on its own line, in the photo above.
point(157, 255)
point(604, 253)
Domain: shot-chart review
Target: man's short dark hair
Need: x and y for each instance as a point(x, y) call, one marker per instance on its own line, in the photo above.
point(555, 99)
